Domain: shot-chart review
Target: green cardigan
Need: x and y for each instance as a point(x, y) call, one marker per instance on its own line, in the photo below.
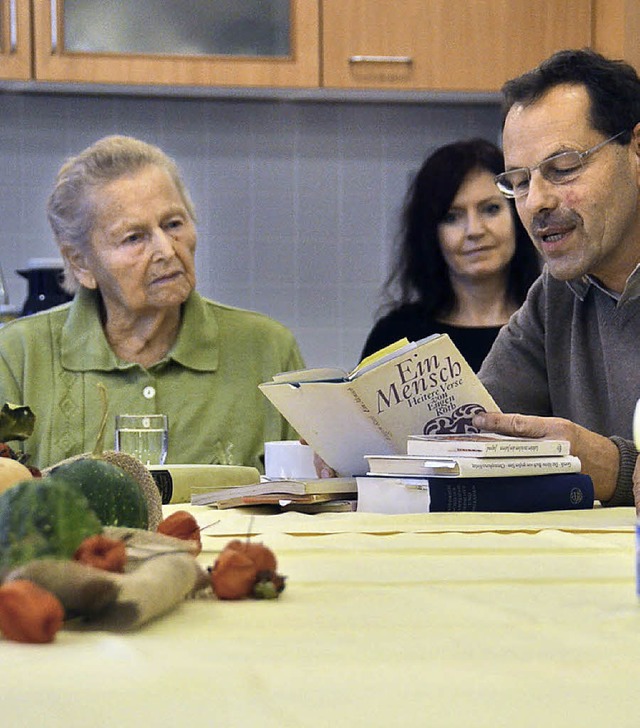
point(207, 384)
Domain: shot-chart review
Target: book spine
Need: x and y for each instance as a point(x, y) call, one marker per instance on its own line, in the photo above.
point(378, 494)
point(487, 450)
point(528, 494)
point(501, 467)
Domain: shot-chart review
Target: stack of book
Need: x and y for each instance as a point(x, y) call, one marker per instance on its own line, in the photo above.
point(475, 472)
point(423, 387)
point(310, 495)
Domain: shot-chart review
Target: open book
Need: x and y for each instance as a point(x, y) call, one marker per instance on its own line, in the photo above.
point(405, 389)
point(304, 490)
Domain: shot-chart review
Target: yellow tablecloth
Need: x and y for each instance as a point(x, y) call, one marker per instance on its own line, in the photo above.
point(434, 620)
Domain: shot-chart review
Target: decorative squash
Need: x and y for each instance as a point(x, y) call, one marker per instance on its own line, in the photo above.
point(103, 469)
point(136, 469)
point(12, 472)
point(43, 517)
point(115, 496)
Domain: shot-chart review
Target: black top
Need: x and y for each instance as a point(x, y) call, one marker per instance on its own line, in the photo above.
point(473, 342)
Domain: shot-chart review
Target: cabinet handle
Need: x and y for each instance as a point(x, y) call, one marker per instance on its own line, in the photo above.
point(13, 27)
point(408, 60)
point(54, 26)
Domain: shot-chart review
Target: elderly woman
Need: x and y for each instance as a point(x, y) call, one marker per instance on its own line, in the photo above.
point(124, 224)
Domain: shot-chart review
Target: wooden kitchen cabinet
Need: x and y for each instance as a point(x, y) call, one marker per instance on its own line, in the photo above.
point(444, 45)
point(617, 29)
point(15, 39)
point(405, 45)
point(193, 42)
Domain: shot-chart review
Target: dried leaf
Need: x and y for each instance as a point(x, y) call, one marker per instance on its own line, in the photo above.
point(16, 422)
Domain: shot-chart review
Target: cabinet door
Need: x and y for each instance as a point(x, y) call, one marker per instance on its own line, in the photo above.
point(445, 45)
point(617, 29)
point(178, 42)
point(15, 39)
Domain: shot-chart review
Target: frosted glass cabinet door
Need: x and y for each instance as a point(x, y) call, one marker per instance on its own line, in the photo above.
point(199, 27)
point(177, 42)
point(15, 39)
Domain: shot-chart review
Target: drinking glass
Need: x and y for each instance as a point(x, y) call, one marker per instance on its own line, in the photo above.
point(146, 437)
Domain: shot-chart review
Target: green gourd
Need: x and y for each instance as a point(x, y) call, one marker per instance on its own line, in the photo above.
point(43, 517)
point(118, 487)
point(114, 496)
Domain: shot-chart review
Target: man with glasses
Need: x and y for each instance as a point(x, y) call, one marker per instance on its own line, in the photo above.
point(568, 362)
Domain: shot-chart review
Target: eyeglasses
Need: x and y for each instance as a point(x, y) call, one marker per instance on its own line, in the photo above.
point(558, 169)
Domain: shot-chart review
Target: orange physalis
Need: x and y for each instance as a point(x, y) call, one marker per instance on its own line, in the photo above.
point(29, 613)
point(182, 524)
point(104, 553)
point(245, 569)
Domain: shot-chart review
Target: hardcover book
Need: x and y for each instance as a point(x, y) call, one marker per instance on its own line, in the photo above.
point(484, 444)
point(409, 388)
point(176, 482)
point(272, 491)
point(512, 494)
point(469, 467)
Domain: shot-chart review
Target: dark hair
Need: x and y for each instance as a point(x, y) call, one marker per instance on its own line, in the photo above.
point(420, 273)
point(613, 88)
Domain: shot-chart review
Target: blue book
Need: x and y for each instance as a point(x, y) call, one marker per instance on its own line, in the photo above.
point(514, 494)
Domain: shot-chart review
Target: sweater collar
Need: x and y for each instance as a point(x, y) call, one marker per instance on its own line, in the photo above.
point(84, 347)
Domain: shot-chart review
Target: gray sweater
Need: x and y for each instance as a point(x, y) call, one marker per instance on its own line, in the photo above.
point(573, 351)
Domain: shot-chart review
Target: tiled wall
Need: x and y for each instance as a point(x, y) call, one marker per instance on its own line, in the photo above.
point(297, 201)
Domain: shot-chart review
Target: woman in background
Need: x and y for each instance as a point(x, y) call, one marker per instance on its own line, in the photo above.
point(464, 263)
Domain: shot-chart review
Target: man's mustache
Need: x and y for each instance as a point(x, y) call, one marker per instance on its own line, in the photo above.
point(543, 222)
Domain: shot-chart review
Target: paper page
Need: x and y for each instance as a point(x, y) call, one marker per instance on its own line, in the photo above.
point(319, 374)
point(382, 355)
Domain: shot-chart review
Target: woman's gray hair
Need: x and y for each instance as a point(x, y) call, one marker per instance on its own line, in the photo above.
point(70, 207)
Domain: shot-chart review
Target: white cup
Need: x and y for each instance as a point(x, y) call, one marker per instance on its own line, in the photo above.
point(288, 459)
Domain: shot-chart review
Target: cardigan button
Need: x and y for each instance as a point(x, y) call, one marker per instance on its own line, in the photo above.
point(149, 392)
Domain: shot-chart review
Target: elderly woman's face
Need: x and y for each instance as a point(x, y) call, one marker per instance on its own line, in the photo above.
point(141, 253)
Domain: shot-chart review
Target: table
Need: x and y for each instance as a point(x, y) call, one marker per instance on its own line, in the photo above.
point(457, 619)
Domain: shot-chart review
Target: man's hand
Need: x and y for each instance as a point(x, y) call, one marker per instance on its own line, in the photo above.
point(599, 455)
point(322, 469)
